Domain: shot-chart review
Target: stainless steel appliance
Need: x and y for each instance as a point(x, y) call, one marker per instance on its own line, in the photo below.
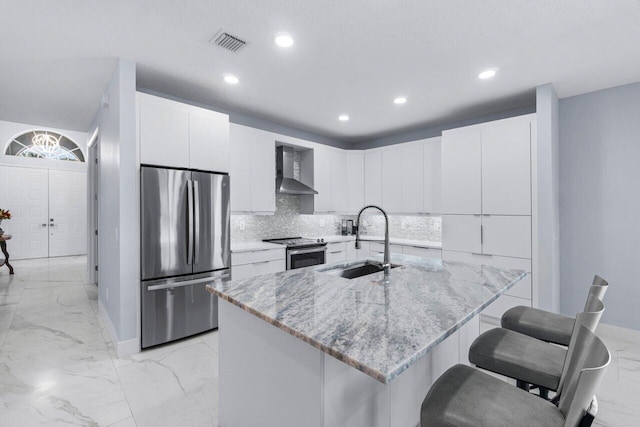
point(185, 245)
point(302, 252)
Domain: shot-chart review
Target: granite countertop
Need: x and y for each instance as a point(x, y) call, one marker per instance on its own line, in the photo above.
point(379, 329)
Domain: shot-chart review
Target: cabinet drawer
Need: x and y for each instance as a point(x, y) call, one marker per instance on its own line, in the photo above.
point(335, 256)
point(503, 303)
point(493, 260)
point(522, 289)
point(240, 258)
point(377, 247)
point(257, 268)
point(337, 246)
point(421, 252)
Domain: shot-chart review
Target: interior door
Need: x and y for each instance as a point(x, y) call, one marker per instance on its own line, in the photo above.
point(211, 228)
point(24, 192)
point(67, 213)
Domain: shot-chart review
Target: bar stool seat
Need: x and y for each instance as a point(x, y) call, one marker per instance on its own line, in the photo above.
point(465, 396)
point(547, 326)
point(540, 324)
point(518, 356)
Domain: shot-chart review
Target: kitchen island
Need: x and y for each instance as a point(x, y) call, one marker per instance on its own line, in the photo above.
point(306, 347)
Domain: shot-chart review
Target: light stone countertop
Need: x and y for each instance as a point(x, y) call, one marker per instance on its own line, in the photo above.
point(254, 246)
point(392, 240)
point(380, 329)
point(260, 245)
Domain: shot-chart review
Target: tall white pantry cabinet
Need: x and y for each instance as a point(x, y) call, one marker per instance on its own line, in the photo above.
point(487, 200)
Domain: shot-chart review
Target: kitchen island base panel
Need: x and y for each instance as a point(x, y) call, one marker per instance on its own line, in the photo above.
point(269, 377)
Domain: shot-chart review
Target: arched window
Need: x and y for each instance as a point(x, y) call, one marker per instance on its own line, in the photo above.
point(44, 144)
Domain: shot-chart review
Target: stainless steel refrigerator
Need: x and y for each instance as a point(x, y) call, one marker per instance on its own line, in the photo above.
point(185, 245)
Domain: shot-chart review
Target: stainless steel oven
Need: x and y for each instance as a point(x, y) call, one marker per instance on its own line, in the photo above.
point(305, 257)
point(302, 252)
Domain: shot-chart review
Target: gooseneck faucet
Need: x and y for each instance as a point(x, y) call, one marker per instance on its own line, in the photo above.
point(386, 266)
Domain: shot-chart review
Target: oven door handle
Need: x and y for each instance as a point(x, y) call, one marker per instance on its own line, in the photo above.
point(307, 251)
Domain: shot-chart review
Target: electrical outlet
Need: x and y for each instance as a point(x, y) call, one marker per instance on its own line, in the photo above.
point(107, 294)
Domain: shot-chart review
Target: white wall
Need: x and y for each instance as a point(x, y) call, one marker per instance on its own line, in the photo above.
point(547, 217)
point(600, 201)
point(119, 247)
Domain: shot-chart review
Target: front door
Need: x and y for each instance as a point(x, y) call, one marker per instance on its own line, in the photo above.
point(24, 191)
point(67, 213)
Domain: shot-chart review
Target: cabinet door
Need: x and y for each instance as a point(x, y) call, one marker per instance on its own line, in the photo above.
point(339, 181)
point(322, 179)
point(355, 181)
point(412, 170)
point(373, 177)
point(461, 171)
point(432, 177)
point(506, 167)
point(240, 167)
point(421, 252)
point(392, 180)
point(461, 233)
point(164, 132)
point(507, 235)
point(209, 141)
point(263, 173)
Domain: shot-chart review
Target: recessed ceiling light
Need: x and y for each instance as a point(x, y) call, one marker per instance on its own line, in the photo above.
point(343, 117)
point(487, 74)
point(231, 79)
point(400, 100)
point(284, 40)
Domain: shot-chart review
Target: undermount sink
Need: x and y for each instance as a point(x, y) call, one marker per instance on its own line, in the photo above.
point(357, 270)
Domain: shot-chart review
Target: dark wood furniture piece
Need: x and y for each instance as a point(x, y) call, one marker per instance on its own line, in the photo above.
point(3, 246)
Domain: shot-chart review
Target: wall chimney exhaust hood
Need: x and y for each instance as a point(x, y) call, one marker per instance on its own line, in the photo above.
point(285, 182)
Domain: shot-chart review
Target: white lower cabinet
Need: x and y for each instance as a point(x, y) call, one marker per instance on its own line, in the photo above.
point(256, 263)
point(421, 252)
point(462, 233)
point(336, 252)
point(519, 294)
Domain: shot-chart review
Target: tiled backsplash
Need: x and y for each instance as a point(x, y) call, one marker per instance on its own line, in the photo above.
point(288, 222)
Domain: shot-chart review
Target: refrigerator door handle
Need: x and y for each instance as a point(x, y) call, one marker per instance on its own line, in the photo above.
point(196, 214)
point(190, 223)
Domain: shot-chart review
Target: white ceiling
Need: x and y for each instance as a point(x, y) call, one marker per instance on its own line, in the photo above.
point(350, 56)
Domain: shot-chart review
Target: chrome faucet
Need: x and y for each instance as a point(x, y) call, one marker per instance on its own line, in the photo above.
point(386, 265)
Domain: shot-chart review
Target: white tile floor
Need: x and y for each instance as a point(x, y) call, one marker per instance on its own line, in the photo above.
point(57, 366)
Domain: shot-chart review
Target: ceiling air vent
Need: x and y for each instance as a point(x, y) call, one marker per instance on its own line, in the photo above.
point(227, 41)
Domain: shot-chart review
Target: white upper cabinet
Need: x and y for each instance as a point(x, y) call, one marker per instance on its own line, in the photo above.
point(330, 179)
point(339, 181)
point(412, 170)
point(373, 177)
point(461, 155)
point(163, 132)
point(208, 141)
point(432, 177)
point(392, 179)
point(506, 167)
point(355, 181)
point(252, 170)
point(180, 135)
point(322, 170)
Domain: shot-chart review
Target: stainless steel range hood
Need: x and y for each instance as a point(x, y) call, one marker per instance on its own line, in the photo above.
point(285, 182)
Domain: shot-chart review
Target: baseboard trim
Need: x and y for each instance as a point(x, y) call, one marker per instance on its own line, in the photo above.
point(619, 332)
point(123, 348)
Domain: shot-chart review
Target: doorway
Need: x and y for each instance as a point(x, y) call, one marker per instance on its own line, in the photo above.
point(48, 211)
point(93, 185)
